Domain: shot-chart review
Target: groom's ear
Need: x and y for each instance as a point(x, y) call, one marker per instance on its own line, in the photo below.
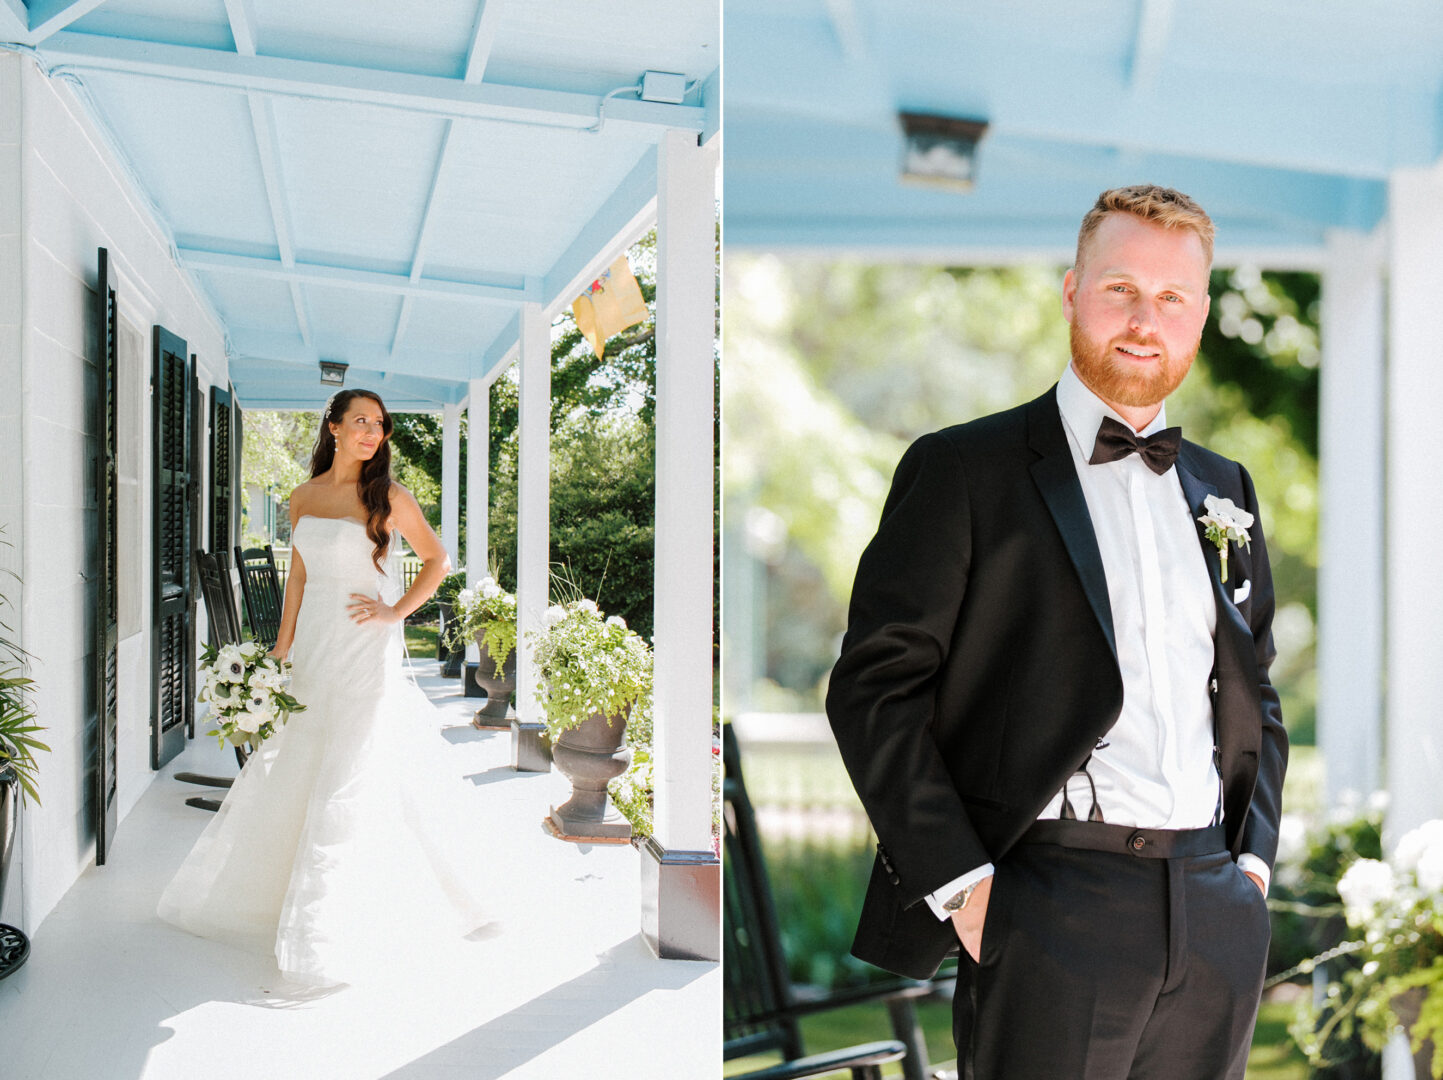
point(1069, 292)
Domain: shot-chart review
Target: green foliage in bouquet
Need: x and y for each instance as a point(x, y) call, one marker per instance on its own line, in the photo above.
point(488, 610)
point(247, 693)
point(588, 664)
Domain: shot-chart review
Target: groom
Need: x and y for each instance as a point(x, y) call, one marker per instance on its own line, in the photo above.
point(1053, 698)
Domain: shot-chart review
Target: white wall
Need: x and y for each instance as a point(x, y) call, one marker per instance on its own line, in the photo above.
point(74, 197)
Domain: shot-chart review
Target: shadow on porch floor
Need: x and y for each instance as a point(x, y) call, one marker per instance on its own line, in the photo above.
point(561, 985)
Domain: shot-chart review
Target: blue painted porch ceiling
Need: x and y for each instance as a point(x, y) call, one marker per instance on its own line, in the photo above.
point(1285, 118)
point(398, 233)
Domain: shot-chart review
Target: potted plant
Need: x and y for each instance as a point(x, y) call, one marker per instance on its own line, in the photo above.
point(487, 614)
point(17, 774)
point(445, 598)
point(592, 671)
point(1395, 909)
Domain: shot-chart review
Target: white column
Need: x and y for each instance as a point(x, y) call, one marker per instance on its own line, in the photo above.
point(533, 482)
point(685, 313)
point(478, 487)
point(1350, 517)
point(451, 482)
point(1414, 744)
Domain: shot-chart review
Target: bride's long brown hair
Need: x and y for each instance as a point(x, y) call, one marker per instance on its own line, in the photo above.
point(374, 485)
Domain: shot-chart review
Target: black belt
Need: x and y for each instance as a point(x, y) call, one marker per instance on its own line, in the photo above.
point(1127, 840)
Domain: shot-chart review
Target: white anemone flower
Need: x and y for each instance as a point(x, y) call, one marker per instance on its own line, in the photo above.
point(230, 664)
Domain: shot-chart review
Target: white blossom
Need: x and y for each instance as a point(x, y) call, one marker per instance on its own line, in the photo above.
point(554, 614)
point(230, 665)
point(466, 597)
point(249, 722)
point(1231, 522)
point(1421, 851)
point(589, 606)
point(249, 649)
point(490, 590)
point(616, 620)
point(1365, 885)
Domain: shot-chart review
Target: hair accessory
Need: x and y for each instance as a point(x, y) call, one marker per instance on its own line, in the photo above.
point(326, 412)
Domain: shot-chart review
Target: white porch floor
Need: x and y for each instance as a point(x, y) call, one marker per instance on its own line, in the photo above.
point(561, 986)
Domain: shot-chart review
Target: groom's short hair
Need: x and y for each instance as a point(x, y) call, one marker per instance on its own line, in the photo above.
point(1159, 205)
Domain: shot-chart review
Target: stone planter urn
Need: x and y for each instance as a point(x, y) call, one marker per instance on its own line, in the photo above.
point(498, 691)
point(14, 946)
point(452, 659)
point(1407, 1005)
point(590, 755)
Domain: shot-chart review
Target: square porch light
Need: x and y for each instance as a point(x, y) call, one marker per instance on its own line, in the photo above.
point(940, 151)
point(333, 373)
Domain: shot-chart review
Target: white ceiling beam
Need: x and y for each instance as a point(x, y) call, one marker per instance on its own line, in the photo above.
point(389, 89)
point(622, 220)
point(47, 17)
point(1149, 46)
point(423, 234)
point(14, 21)
point(483, 37)
point(242, 16)
point(355, 278)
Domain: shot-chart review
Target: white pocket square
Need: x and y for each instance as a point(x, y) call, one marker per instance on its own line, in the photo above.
point(1242, 592)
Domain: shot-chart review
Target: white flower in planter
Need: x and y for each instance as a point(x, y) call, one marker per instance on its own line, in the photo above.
point(1365, 885)
point(554, 614)
point(465, 598)
point(589, 606)
point(616, 620)
point(1421, 850)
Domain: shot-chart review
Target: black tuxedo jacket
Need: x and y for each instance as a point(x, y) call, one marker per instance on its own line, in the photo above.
point(979, 667)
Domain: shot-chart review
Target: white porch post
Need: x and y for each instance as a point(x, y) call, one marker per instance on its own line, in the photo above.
point(451, 482)
point(1350, 519)
point(681, 878)
point(533, 522)
point(1414, 746)
point(478, 480)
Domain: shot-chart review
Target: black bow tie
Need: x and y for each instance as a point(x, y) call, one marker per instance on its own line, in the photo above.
point(1115, 441)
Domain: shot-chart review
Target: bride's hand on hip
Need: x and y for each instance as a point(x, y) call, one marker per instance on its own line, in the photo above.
point(369, 609)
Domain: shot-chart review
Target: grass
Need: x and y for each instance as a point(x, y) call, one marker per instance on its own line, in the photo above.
point(421, 641)
point(1273, 1056)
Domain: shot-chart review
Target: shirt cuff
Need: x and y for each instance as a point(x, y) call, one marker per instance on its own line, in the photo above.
point(935, 900)
point(1255, 865)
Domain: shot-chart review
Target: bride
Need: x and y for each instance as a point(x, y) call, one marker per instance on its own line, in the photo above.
point(343, 844)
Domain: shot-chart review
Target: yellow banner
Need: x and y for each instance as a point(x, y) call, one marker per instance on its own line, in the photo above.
point(612, 304)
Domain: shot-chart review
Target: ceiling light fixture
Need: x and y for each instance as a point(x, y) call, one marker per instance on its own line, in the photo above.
point(940, 151)
point(333, 373)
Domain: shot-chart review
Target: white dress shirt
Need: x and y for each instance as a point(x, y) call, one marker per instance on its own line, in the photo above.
point(1154, 769)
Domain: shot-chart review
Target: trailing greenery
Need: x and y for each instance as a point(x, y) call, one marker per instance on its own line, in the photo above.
point(633, 793)
point(488, 610)
point(588, 665)
point(18, 744)
point(1394, 908)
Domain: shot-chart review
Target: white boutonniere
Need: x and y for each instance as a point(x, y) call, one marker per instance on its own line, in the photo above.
point(1226, 523)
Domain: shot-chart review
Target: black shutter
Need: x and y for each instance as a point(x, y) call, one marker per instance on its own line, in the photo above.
point(222, 466)
point(172, 615)
point(107, 633)
point(197, 530)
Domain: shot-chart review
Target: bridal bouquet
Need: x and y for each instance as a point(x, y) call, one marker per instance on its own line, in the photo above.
point(246, 691)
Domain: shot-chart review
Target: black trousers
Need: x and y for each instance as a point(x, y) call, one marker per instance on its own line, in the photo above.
point(1113, 965)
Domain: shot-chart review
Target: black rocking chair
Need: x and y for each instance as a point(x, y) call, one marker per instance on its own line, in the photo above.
point(761, 1010)
point(220, 609)
point(261, 588)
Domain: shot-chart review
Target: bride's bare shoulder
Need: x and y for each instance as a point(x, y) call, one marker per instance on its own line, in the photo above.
point(301, 496)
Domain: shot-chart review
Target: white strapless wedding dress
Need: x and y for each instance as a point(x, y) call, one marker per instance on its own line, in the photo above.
point(348, 842)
